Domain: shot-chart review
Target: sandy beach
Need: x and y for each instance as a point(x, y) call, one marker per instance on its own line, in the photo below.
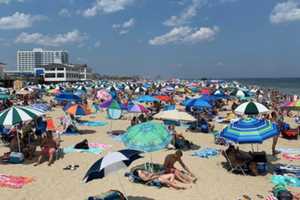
point(214, 182)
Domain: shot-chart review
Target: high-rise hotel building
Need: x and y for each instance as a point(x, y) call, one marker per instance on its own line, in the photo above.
point(28, 60)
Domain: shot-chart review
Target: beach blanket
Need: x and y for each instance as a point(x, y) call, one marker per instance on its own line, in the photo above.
point(14, 182)
point(206, 153)
point(94, 124)
point(289, 150)
point(286, 180)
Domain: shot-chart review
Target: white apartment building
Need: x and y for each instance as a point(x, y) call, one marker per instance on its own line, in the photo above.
point(28, 60)
point(66, 72)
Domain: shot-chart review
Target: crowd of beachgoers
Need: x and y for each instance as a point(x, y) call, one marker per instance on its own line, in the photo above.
point(175, 139)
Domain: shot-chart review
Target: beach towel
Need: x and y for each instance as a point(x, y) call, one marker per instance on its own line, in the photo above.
point(206, 153)
point(94, 124)
point(289, 150)
point(14, 182)
point(90, 150)
point(291, 157)
point(286, 180)
point(94, 148)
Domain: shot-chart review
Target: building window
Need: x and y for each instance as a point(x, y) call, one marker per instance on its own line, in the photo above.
point(60, 75)
point(50, 75)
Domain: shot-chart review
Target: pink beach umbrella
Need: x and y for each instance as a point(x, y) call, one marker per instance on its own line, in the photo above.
point(103, 95)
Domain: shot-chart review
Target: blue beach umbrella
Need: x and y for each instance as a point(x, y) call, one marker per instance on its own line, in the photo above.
point(147, 99)
point(198, 103)
point(250, 130)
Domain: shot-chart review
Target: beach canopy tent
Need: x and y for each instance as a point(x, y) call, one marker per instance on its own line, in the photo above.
point(174, 115)
point(250, 130)
point(77, 110)
point(17, 114)
point(111, 163)
point(114, 110)
point(67, 97)
point(251, 108)
point(147, 99)
point(147, 137)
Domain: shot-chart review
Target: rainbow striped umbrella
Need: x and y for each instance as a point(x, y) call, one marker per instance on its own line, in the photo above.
point(250, 130)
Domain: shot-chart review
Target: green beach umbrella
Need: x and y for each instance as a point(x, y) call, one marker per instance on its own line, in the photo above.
point(4, 96)
point(147, 137)
point(16, 114)
point(251, 108)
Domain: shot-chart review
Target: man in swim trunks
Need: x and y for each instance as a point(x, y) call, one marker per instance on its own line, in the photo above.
point(184, 177)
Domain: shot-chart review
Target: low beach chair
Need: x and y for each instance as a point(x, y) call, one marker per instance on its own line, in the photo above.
point(237, 167)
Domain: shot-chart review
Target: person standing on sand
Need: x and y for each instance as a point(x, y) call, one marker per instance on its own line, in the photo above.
point(274, 119)
point(169, 163)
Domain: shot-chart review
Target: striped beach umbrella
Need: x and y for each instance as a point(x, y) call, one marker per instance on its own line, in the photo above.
point(250, 130)
point(16, 114)
point(147, 137)
point(251, 108)
point(111, 163)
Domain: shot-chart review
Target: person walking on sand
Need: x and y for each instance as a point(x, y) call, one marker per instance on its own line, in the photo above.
point(169, 163)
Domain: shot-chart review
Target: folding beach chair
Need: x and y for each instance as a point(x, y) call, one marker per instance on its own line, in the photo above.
point(235, 167)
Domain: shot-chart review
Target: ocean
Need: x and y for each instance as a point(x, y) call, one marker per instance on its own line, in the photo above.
point(286, 85)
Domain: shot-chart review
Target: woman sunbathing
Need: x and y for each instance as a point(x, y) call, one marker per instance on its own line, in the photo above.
point(165, 179)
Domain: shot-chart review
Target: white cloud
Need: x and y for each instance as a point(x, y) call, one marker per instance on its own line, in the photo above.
point(9, 1)
point(106, 6)
point(124, 27)
point(64, 13)
point(187, 14)
point(186, 35)
point(73, 37)
point(286, 12)
point(19, 21)
point(97, 44)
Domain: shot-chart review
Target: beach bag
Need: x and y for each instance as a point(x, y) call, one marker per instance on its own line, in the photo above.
point(16, 157)
point(285, 195)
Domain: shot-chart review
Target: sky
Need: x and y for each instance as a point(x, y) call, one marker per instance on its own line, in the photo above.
point(166, 38)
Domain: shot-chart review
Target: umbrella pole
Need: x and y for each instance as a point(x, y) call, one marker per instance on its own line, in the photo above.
point(121, 185)
point(18, 140)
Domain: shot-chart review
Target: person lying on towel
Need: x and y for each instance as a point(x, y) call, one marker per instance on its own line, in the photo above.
point(185, 177)
point(164, 179)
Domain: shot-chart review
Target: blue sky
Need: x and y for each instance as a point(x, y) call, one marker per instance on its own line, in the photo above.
point(170, 38)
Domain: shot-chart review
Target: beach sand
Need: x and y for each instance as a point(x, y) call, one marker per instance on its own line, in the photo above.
point(214, 182)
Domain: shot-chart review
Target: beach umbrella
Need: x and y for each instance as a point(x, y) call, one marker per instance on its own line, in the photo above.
point(251, 108)
point(163, 98)
point(16, 114)
point(4, 96)
point(111, 163)
point(147, 99)
point(103, 95)
point(250, 130)
point(198, 103)
point(147, 137)
point(136, 108)
point(77, 110)
point(174, 115)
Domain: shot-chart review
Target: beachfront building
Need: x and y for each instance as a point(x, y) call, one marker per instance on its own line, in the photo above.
point(2, 74)
point(55, 72)
point(27, 61)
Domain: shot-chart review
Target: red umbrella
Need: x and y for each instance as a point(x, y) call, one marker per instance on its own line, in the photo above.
point(163, 98)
